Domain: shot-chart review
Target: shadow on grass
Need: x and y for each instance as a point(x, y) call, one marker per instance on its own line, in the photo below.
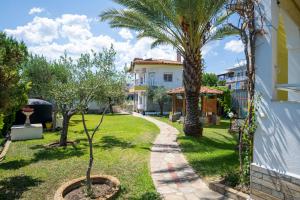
point(14, 164)
point(13, 187)
point(108, 142)
point(219, 165)
point(210, 156)
point(222, 125)
point(44, 154)
point(203, 144)
point(75, 122)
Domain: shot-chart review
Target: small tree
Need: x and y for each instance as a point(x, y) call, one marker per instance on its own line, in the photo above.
point(159, 95)
point(209, 79)
point(90, 137)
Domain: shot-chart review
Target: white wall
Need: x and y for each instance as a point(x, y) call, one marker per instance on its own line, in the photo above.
point(159, 74)
point(277, 139)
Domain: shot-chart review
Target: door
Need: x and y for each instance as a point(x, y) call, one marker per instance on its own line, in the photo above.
point(151, 78)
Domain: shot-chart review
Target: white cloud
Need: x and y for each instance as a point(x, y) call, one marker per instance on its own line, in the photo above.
point(209, 48)
point(126, 34)
point(36, 10)
point(235, 46)
point(240, 63)
point(72, 33)
point(40, 30)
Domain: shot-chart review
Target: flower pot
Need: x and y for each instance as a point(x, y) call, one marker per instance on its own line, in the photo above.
point(48, 125)
point(74, 184)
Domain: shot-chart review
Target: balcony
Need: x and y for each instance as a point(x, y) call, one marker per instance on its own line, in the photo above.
point(136, 88)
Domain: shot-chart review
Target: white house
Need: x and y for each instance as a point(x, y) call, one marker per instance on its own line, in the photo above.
point(235, 77)
point(153, 72)
point(275, 171)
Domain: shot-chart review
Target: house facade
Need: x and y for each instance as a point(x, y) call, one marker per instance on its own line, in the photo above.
point(235, 77)
point(275, 171)
point(153, 72)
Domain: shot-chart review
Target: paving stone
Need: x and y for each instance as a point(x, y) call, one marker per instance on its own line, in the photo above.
point(173, 177)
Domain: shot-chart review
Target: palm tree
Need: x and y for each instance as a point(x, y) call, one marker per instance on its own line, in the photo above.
point(187, 25)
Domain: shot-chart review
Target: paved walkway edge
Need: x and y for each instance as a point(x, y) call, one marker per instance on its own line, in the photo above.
point(172, 176)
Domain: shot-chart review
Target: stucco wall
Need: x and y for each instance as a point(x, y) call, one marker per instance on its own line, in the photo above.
point(159, 75)
point(277, 139)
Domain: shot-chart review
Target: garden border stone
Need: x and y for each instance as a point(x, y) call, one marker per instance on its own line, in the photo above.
point(228, 191)
point(75, 183)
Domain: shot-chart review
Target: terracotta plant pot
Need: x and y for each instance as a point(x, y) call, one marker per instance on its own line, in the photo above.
point(76, 183)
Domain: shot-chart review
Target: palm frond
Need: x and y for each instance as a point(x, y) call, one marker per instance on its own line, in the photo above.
point(222, 32)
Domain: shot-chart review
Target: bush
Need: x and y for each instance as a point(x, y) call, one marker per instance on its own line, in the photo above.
point(232, 178)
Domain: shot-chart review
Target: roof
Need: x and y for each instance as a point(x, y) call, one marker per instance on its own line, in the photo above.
point(38, 102)
point(155, 62)
point(151, 61)
point(203, 90)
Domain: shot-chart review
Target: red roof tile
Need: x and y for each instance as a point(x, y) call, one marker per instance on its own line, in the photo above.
point(155, 61)
point(203, 90)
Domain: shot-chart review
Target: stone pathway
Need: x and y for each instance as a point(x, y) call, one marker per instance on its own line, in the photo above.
point(173, 178)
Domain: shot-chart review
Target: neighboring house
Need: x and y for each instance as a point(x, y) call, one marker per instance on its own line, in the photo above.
point(236, 80)
point(235, 77)
point(153, 72)
point(275, 171)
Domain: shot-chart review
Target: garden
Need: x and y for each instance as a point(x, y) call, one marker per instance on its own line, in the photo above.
point(32, 170)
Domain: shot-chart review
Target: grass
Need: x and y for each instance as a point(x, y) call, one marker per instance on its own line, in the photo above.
point(212, 155)
point(121, 148)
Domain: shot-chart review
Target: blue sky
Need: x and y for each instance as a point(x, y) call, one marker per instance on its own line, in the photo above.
point(50, 27)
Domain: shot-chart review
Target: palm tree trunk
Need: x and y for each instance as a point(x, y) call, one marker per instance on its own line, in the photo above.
point(192, 83)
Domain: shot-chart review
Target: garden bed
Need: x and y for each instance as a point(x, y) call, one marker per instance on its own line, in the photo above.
point(104, 187)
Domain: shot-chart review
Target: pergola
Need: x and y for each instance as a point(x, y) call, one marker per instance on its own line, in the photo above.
point(208, 100)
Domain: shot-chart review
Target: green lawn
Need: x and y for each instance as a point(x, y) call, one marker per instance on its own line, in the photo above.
point(213, 155)
point(121, 148)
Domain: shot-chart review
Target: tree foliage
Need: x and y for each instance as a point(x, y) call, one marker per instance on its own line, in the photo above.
point(91, 78)
point(42, 74)
point(13, 91)
point(209, 79)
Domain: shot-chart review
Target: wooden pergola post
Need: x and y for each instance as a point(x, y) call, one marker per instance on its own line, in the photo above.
point(173, 103)
point(183, 105)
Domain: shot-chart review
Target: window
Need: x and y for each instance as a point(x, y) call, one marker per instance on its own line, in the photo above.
point(168, 77)
point(141, 80)
point(288, 60)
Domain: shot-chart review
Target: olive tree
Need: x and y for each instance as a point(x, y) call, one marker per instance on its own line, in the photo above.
point(159, 95)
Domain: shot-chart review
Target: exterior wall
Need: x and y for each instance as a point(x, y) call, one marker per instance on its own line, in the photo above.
point(235, 78)
point(277, 138)
point(268, 184)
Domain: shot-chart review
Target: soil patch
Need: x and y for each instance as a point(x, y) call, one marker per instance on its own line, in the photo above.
point(101, 191)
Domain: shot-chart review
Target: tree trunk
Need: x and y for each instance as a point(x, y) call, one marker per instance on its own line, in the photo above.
point(54, 115)
point(192, 83)
point(88, 172)
point(110, 105)
point(64, 131)
point(161, 108)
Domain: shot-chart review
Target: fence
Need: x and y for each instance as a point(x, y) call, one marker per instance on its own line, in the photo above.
point(239, 100)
